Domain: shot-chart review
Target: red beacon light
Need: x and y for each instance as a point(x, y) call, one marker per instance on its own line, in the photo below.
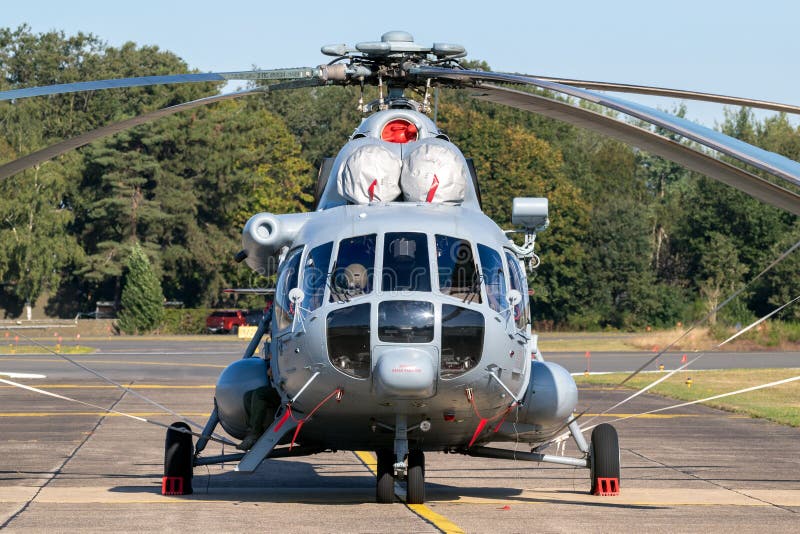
point(399, 131)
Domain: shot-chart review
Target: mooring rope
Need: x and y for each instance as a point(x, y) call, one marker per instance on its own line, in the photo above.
point(715, 310)
point(116, 384)
point(109, 410)
point(688, 363)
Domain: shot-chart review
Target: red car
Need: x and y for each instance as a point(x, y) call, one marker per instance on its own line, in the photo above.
point(224, 321)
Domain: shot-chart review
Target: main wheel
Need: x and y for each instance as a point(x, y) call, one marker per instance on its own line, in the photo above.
point(178, 461)
point(604, 458)
point(384, 490)
point(415, 493)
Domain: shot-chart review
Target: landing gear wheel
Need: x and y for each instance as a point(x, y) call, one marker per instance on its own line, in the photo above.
point(178, 461)
point(384, 490)
point(604, 460)
point(415, 492)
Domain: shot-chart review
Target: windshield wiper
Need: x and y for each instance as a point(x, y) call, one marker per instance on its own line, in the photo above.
point(475, 289)
point(341, 296)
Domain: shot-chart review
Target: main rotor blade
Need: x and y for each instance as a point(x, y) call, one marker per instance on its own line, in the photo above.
point(48, 153)
point(297, 73)
point(754, 186)
point(672, 93)
point(770, 162)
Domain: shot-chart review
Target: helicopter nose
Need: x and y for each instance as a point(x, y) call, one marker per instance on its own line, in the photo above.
point(404, 372)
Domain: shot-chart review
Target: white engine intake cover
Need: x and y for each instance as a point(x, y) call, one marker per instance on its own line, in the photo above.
point(370, 174)
point(434, 171)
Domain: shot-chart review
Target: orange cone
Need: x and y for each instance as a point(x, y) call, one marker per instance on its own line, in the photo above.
point(683, 360)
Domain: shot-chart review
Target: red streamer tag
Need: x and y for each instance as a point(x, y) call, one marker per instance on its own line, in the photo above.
point(371, 189)
point(432, 190)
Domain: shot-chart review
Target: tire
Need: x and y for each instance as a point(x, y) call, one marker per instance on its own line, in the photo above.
point(604, 459)
point(415, 491)
point(178, 461)
point(384, 489)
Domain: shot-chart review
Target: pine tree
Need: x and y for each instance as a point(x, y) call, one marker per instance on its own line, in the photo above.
point(142, 298)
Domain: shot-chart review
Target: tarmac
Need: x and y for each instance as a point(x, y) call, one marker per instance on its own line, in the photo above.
point(67, 467)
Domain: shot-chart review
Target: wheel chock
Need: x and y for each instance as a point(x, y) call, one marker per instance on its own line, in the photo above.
point(607, 487)
point(173, 486)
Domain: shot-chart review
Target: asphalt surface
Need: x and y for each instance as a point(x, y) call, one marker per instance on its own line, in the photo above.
point(70, 467)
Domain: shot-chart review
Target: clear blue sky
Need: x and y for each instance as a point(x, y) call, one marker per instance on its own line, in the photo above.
point(732, 47)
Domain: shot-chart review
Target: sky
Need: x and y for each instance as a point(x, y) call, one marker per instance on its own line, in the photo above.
point(733, 47)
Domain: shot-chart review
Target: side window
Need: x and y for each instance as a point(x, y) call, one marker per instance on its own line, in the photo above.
point(462, 340)
point(458, 275)
point(348, 340)
point(518, 282)
point(493, 278)
point(315, 275)
point(406, 266)
point(287, 280)
point(354, 268)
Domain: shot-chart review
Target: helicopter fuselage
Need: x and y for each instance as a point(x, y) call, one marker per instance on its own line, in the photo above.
point(412, 312)
point(405, 339)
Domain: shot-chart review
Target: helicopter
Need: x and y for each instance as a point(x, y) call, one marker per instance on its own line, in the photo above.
point(401, 319)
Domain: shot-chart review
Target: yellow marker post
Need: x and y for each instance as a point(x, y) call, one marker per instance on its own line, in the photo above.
point(689, 382)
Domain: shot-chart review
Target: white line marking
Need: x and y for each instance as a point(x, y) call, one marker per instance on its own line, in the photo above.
point(22, 375)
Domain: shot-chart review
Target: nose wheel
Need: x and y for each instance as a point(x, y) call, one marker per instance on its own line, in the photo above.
point(414, 475)
point(384, 490)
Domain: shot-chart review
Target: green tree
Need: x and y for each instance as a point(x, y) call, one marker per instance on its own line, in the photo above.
point(721, 271)
point(142, 299)
point(39, 222)
point(512, 162)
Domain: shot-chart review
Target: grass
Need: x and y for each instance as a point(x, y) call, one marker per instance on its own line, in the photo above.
point(780, 404)
point(698, 339)
point(35, 349)
point(771, 335)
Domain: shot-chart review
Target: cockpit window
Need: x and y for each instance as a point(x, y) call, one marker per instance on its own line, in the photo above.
point(458, 275)
point(348, 340)
point(287, 280)
point(462, 340)
point(354, 268)
point(405, 262)
point(315, 275)
point(493, 278)
point(518, 282)
point(405, 321)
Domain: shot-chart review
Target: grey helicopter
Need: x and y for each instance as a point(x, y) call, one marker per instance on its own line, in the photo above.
point(401, 321)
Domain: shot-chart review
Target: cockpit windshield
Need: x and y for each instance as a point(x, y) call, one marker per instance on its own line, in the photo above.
point(406, 265)
point(458, 275)
point(315, 275)
point(354, 268)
